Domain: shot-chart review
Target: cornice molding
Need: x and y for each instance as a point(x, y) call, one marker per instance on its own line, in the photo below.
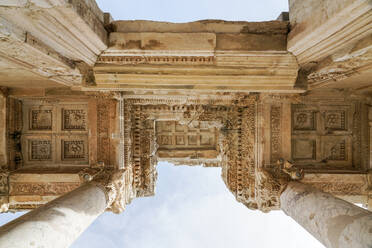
point(351, 24)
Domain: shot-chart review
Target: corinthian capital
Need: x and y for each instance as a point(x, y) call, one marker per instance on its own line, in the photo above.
point(115, 183)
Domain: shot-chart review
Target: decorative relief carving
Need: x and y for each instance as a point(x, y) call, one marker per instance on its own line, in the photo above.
point(42, 189)
point(339, 188)
point(182, 60)
point(333, 144)
point(116, 184)
point(304, 120)
point(73, 149)
point(74, 119)
point(40, 150)
point(335, 120)
point(194, 136)
point(103, 131)
point(276, 136)
point(335, 150)
point(236, 125)
point(4, 185)
point(41, 119)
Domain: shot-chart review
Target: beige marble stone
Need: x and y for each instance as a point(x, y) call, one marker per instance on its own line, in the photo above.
point(334, 222)
point(96, 102)
point(57, 223)
point(3, 145)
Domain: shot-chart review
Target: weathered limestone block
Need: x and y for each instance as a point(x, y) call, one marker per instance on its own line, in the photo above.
point(318, 29)
point(334, 222)
point(3, 145)
point(36, 189)
point(163, 41)
point(79, 32)
point(353, 188)
point(200, 56)
point(332, 41)
point(20, 49)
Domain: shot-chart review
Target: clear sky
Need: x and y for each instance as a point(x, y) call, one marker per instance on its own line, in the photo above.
point(192, 10)
point(192, 207)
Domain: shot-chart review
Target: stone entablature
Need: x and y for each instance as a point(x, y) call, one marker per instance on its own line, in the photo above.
point(245, 134)
point(223, 56)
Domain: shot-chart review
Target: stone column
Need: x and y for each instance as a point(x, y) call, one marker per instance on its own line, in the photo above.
point(334, 222)
point(60, 222)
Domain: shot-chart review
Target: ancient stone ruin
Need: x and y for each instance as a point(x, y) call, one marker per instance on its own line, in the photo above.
point(89, 106)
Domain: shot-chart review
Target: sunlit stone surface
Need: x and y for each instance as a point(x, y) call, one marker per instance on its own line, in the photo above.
point(87, 100)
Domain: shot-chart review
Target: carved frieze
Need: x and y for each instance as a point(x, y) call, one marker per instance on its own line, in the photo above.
point(4, 184)
point(158, 60)
point(42, 189)
point(276, 135)
point(103, 129)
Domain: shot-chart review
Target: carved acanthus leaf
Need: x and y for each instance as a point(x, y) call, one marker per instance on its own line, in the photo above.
point(115, 183)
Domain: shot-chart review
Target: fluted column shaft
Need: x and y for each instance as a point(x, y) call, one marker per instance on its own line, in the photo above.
point(57, 224)
point(333, 221)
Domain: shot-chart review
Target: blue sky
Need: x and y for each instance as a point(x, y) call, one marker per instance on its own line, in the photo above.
point(192, 207)
point(192, 10)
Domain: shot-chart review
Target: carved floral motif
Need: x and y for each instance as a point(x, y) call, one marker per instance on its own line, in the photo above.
point(73, 149)
point(74, 119)
point(276, 141)
point(42, 189)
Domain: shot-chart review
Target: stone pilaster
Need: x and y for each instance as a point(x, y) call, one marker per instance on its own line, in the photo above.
point(334, 222)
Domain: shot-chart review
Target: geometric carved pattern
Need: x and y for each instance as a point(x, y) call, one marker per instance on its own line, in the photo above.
point(335, 120)
point(304, 120)
point(73, 149)
point(333, 143)
point(40, 149)
point(74, 119)
point(40, 119)
point(196, 136)
point(183, 60)
point(335, 151)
